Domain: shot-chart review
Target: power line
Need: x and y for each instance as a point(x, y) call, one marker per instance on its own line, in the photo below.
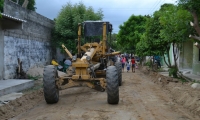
point(157, 4)
point(138, 9)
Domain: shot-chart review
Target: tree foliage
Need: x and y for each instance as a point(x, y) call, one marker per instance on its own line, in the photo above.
point(113, 42)
point(193, 7)
point(174, 21)
point(190, 5)
point(151, 43)
point(66, 24)
point(168, 25)
point(130, 33)
point(1, 6)
point(30, 6)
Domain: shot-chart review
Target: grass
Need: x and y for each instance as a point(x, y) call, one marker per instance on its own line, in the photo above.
point(37, 85)
point(34, 77)
point(182, 79)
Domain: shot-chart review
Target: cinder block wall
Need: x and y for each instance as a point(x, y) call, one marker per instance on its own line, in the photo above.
point(196, 62)
point(186, 55)
point(31, 44)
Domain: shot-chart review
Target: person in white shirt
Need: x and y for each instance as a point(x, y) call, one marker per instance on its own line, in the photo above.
point(118, 58)
point(128, 66)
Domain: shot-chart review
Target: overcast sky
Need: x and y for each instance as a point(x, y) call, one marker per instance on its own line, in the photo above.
point(115, 11)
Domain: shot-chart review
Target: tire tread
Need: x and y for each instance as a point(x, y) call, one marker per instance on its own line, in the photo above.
point(112, 85)
point(51, 92)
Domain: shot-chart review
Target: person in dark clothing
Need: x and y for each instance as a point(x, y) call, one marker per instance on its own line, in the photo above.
point(133, 64)
point(126, 59)
point(157, 59)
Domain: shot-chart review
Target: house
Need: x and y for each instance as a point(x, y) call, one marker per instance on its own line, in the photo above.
point(189, 58)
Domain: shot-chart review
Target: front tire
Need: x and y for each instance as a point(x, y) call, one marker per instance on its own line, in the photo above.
point(112, 85)
point(51, 92)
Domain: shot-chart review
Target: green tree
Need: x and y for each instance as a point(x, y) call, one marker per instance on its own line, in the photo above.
point(1, 6)
point(113, 42)
point(193, 7)
point(66, 24)
point(167, 26)
point(30, 6)
point(130, 33)
point(175, 27)
point(151, 43)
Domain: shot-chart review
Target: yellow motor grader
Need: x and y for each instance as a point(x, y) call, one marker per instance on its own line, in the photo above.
point(93, 65)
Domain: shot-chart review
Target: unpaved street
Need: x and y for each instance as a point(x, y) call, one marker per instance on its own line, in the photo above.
point(140, 99)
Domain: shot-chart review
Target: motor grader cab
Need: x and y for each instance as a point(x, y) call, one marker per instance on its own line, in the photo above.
point(92, 65)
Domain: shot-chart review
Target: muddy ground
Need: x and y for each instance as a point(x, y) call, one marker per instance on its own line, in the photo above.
point(144, 95)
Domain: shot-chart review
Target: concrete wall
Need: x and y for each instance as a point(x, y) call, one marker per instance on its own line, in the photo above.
point(60, 55)
point(31, 44)
point(186, 55)
point(196, 62)
point(37, 26)
point(1, 53)
point(30, 52)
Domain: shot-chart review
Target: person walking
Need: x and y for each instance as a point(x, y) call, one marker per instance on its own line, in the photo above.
point(118, 58)
point(133, 64)
point(126, 59)
point(123, 60)
point(157, 59)
point(128, 66)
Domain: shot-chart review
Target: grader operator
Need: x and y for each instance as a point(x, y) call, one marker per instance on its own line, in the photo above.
point(92, 65)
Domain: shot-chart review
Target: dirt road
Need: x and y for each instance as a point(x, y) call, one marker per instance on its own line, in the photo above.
point(140, 99)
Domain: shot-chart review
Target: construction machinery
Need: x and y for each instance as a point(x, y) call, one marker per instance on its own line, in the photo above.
point(92, 66)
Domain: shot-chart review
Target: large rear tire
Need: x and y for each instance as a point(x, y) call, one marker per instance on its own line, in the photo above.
point(51, 92)
point(112, 85)
point(119, 71)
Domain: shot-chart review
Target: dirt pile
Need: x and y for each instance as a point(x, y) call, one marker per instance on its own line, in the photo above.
point(37, 71)
point(24, 103)
point(29, 99)
point(181, 92)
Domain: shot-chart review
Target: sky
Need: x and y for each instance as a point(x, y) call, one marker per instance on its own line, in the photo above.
point(115, 11)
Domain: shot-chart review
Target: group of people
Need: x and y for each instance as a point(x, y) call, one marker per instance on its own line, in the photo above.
point(125, 60)
point(128, 63)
